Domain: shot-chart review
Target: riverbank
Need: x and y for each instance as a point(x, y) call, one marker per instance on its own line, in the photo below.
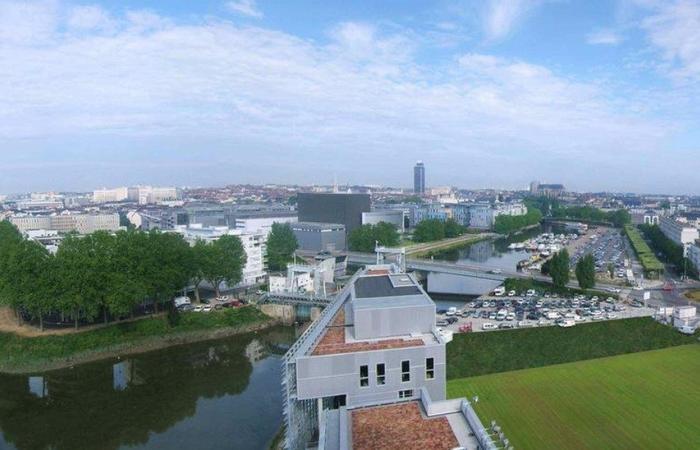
point(429, 248)
point(32, 354)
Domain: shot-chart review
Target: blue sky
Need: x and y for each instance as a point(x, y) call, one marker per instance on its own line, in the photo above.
point(598, 95)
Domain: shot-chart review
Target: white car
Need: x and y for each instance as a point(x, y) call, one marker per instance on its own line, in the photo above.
point(686, 329)
point(612, 316)
point(489, 326)
point(530, 293)
point(511, 293)
point(206, 308)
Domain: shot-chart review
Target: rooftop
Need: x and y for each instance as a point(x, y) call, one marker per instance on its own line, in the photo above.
point(400, 426)
point(334, 341)
point(385, 286)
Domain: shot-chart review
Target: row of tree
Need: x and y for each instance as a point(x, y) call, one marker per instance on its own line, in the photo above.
point(281, 245)
point(558, 267)
point(551, 207)
point(430, 230)
point(109, 274)
point(506, 224)
point(670, 251)
point(364, 238)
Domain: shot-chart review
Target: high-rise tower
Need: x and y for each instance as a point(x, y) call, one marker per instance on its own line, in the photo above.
point(419, 178)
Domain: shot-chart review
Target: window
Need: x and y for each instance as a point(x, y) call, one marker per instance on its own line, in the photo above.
point(405, 371)
point(364, 376)
point(429, 368)
point(381, 374)
point(406, 394)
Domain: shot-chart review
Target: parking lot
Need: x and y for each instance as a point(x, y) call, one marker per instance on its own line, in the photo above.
point(534, 310)
point(608, 248)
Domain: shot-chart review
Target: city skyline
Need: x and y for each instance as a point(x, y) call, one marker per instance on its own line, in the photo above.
point(600, 96)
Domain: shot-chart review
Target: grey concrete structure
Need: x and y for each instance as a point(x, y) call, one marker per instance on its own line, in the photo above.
point(314, 236)
point(345, 209)
point(419, 178)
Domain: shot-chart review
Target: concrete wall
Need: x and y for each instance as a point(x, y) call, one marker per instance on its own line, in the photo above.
point(284, 313)
point(385, 322)
point(331, 375)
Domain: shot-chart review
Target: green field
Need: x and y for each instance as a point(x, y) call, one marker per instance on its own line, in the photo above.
point(647, 400)
point(472, 354)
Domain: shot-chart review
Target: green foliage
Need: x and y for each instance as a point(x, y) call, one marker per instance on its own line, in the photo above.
point(20, 352)
point(523, 284)
point(585, 272)
point(225, 260)
point(471, 354)
point(364, 238)
point(546, 205)
point(652, 266)
point(559, 268)
point(429, 230)
point(453, 229)
point(506, 224)
point(108, 274)
point(618, 217)
point(672, 252)
point(281, 244)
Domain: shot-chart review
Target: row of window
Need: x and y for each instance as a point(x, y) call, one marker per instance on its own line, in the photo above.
point(405, 372)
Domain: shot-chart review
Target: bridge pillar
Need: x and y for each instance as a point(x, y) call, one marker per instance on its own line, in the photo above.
point(286, 314)
point(315, 312)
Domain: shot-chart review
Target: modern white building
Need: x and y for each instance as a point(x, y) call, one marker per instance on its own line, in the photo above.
point(142, 195)
point(681, 233)
point(262, 224)
point(253, 244)
point(65, 223)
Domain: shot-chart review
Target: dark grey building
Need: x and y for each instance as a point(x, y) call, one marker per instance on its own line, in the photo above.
point(419, 178)
point(345, 209)
point(317, 237)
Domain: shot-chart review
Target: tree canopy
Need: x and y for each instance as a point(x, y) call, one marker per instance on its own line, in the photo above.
point(364, 238)
point(505, 224)
point(585, 272)
point(104, 274)
point(281, 244)
point(559, 268)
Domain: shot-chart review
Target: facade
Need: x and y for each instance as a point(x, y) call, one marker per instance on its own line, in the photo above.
point(645, 217)
point(395, 217)
point(680, 233)
point(548, 190)
point(110, 195)
point(484, 215)
point(345, 209)
point(317, 237)
point(253, 244)
point(66, 223)
point(693, 254)
point(374, 351)
point(263, 224)
point(419, 178)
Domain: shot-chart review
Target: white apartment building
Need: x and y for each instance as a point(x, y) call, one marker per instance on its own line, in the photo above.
point(680, 233)
point(262, 224)
point(65, 223)
point(253, 244)
point(110, 195)
point(141, 194)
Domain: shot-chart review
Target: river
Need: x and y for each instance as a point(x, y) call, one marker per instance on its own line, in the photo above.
point(221, 394)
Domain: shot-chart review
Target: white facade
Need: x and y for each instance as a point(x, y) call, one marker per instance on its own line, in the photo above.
point(110, 195)
point(693, 254)
point(484, 215)
point(253, 244)
point(262, 224)
point(680, 233)
point(64, 223)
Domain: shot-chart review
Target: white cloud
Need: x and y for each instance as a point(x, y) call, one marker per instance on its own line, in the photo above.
point(502, 16)
point(245, 7)
point(90, 17)
point(604, 37)
point(364, 97)
point(674, 29)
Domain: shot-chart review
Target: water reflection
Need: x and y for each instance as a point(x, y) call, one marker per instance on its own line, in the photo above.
point(216, 394)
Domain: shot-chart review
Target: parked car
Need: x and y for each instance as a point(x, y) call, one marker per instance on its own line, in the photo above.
point(451, 320)
point(488, 326)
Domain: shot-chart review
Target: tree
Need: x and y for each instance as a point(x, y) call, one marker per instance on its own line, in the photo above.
point(10, 240)
point(585, 272)
point(505, 224)
point(225, 262)
point(281, 244)
point(198, 260)
point(429, 230)
point(365, 238)
point(453, 229)
point(32, 281)
point(611, 270)
point(559, 268)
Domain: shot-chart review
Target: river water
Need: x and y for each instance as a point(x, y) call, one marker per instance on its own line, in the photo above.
point(222, 394)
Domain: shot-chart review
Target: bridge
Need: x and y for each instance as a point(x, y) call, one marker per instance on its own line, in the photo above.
point(295, 299)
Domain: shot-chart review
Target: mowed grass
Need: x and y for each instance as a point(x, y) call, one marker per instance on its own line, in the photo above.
point(647, 400)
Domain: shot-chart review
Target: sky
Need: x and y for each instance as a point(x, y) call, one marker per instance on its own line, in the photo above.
point(597, 95)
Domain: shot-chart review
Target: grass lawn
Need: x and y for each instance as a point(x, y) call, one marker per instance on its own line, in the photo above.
point(693, 295)
point(21, 353)
point(471, 354)
point(647, 400)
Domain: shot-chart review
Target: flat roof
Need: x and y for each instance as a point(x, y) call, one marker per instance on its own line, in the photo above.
point(401, 301)
point(333, 341)
point(382, 286)
point(400, 426)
